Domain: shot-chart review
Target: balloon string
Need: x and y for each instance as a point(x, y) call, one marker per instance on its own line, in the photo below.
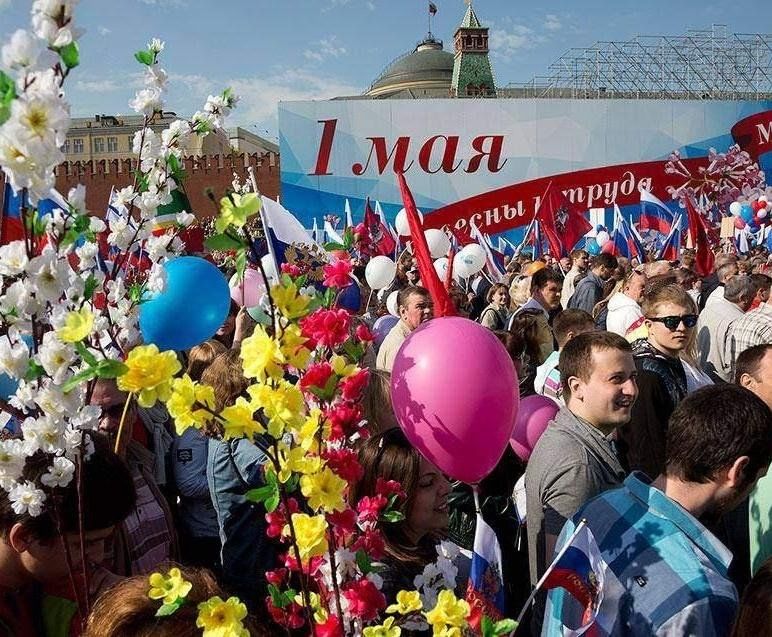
point(369, 298)
point(123, 418)
point(476, 496)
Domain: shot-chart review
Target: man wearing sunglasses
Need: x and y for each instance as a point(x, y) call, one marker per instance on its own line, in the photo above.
point(670, 317)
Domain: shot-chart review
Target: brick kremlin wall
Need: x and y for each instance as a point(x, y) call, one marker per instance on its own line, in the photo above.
point(211, 171)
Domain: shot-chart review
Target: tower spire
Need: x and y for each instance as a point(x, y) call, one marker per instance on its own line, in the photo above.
point(472, 70)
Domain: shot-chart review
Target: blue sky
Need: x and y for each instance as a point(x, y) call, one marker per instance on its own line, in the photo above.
point(271, 50)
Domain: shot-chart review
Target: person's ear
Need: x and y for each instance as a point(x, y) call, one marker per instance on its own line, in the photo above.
point(736, 474)
point(19, 538)
point(746, 380)
point(577, 387)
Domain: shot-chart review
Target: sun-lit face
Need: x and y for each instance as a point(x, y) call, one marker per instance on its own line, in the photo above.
point(429, 510)
point(669, 341)
point(417, 309)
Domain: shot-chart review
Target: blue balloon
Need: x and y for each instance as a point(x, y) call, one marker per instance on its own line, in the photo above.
point(592, 246)
point(190, 310)
point(8, 386)
point(350, 298)
point(746, 212)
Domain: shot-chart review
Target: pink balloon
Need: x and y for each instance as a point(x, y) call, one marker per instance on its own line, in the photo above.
point(248, 291)
point(455, 394)
point(534, 414)
point(739, 223)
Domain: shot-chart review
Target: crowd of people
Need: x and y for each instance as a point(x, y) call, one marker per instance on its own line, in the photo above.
point(660, 446)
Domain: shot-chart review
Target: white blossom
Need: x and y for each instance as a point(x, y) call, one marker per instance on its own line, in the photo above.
point(116, 290)
point(147, 101)
point(17, 300)
point(155, 77)
point(12, 457)
point(14, 358)
point(95, 224)
point(87, 253)
point(76, 197)
point(123, 197)
point(156, 45)
point(60, 473)
point(44, 434)
point(13, 258)
point(55, 357)
point(86, 418)
point(26, 498)
point(49, 275)
point(45, 117)
point(121, 233)
point(184, 218)
point(156, 280)
point(21, 51)
point(157, 246)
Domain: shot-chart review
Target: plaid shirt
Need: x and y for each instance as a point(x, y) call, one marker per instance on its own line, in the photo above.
point(668, 573)
point(752, 328)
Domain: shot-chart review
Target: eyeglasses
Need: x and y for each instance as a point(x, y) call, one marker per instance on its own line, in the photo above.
point(672, 322)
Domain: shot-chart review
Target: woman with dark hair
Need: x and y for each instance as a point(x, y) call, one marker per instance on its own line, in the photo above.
point(523, 343)
point(410, 543)
point(755, 614)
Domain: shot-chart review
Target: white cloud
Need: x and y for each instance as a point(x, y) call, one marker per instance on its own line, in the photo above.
point(552, 22)
point(324, 49)
point(506, 41)
point(103, 30)
point(4, 4)
point(98, 86)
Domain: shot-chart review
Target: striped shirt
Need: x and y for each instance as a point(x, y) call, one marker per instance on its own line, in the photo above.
point(752, 328)
point(668, 573)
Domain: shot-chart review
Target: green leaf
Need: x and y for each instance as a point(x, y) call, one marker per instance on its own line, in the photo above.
point(86, 374)
point(329, 297)
point(272, 503)
point(89, 287)
point(486, 626)
point(144, 57)
point(364, 562)
point(348, 238)
point(136, 291)
point(169, 609)
point(241, 262)
point(223, 242)
point(393, 516)
point(87, 356)
point(260, 494)
point(7, 95)
point(34, 370)
point(292, 483)
point(332, 245)
point(110, 368)
point(504, 627)
point(70, 55)
point(281, 599)
point(353, 350)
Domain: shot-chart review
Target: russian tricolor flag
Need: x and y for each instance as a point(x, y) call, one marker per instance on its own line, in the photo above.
point(282, 229)
point(626, 241)
point(13, 202)
point(671, 246)
point(485, 590)
point(655, 215)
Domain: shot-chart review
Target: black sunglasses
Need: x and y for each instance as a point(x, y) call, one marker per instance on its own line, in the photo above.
point(672, 322)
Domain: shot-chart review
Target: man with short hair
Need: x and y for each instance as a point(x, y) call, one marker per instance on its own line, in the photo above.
point(713, 340)
point(589, 291)
point(761, 283)
point(579, 261)
point(664, 572)
point(753, 327)
point(574, 460)
point(415, 307)
point(624, 312)
point(545, 297)
point(725, 268)
point(724, 273)
point(567, 325)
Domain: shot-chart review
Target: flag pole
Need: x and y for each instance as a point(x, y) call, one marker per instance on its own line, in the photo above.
point(550, 568)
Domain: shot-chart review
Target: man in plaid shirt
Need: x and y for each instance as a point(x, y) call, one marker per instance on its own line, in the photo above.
point(753, 328)
point(663, 572)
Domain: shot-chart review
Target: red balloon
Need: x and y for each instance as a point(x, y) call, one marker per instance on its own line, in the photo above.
point(755, 205)
point(608, 247)
point(739, 223)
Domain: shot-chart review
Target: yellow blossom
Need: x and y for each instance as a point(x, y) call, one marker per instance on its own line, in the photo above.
point(238, 420)
point(407, 602)
point(77, 326)
point(289, 302)
point(386, 629)
point(222, 619)
point(341, 367)
point(149, 374)
point(261, 356)
point(449, 613)
point(306, 436)
point(324, 490)
point(236, 209)
point(292, 342)
point(296, 460)
point(170, 587)
point(181, 404)
point(311, 535)
point(320, 614)
point(282, 404)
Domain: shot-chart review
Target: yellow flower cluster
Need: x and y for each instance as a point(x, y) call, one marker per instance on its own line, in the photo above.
point(149, 374)
point(289, 301)
point(77, 326)
point(407, 602)
point(324, 490)
point(449, 616)
point(221, 618)
point(236, 209)
point(170, 587)
point(238, 420)
point(282, 403)
point(386, 629)
point(311, 535)
point(181, 404)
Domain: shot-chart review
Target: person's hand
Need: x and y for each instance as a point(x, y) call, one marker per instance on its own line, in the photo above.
point(245, 325)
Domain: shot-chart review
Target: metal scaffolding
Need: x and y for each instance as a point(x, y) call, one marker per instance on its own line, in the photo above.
point(702, 64)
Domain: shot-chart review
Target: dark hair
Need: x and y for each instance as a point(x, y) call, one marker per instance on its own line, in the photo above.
point(576, 356)
point(749, 361)
point(607, 260)
point(575, 254)
point(201, 356)
point(389, 455)
point(107, 488)
point(523, 335)
point(754, 616)
point(570, 320)
point(542, 277)
point(714, 426)
point(495, 288)
point(739, 287)
point(404, 294)
point(761, 282)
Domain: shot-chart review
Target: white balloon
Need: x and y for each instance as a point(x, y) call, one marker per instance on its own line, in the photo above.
point(401, 224)
point(391, 304)
point(761, 213)
point(441, 266)
point(270, 268)
point(438, 242)
point(735, 207)
point(380, 272)
point(602, 238)
point(461, 268)
point(474, 255)
point(763, 200)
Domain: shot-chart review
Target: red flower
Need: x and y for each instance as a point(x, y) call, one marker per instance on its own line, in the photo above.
point(277, 577)
point(316, 375)
point(369, 508)
point(330, 628)
point(364, 334)
point(387, 488)
point(353, 386)
point(327, 327)
point(344, 418)
point(278, 518)
point(344, 462)
point(371, 542)
point(364, 599)
point(337, 274)
point(291, 616)
point(291, 269)
point(343, 521)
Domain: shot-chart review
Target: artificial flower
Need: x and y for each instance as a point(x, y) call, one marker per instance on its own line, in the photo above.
point(238, 420)
point(236, 209)
point(353, 386)
point(282, 404)
point(386, 629)
point(324, 490)
point(364, 599)
point(293, 346)
point(25, 497)
point(316, 376)
point(337, 273)
point(296, 460)
point(290, 303)
point(311, 535)
point(261, 356)
point(77, 325)
point(363, 333)
point(344, 419)
point(221, 618)
point(371, 542)
point(449, 612)
point(169, 587)
point(149, 374)
point(319, 613)
point(407, 602)
point(341, 366)
point(326, 327)
point(59, 474)
point(329, 628)
point(182, 403)
point(345, 463)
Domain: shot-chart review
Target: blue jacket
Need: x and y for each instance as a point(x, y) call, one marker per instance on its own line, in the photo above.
point(189, 460)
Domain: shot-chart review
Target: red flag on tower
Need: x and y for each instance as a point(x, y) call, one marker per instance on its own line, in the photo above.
point(562, 222)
